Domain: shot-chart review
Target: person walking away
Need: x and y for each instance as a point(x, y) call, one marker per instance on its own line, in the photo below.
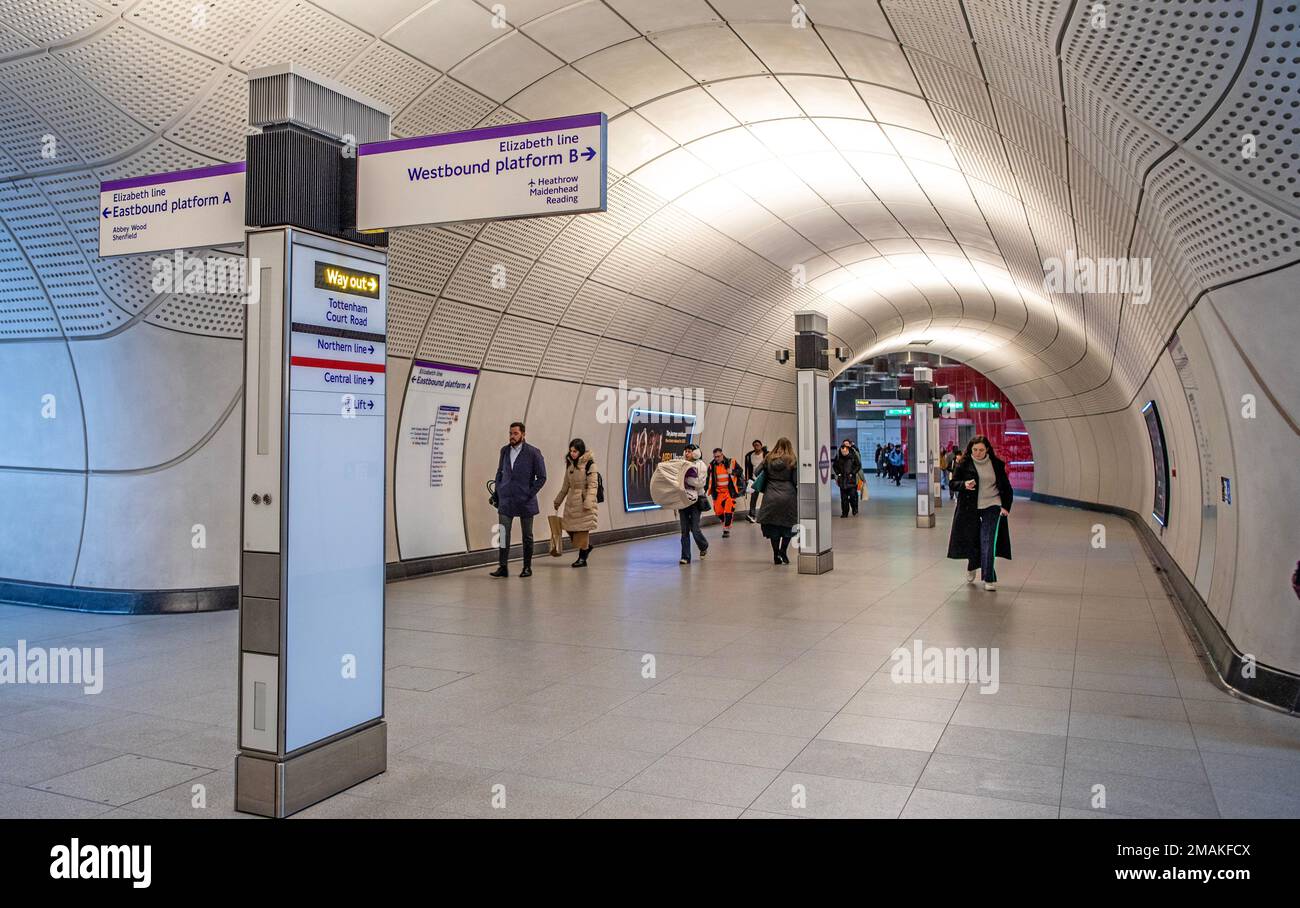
point(846, 465)
point(695, 479)
point(521, 473)
point(578, 495)
point(753, 463)
point(780, 510)
point(880, 460)
point(980, 532)
point(724, 487)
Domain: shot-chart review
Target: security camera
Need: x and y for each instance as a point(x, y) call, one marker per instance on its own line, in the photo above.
point(842, 354)
point(783, 356)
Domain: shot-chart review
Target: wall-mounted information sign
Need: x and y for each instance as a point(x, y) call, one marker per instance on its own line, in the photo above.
point(899, 411)
point(986, 405)
point(430, 454)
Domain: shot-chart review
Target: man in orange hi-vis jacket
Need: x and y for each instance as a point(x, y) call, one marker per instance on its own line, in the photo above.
point(724, 488)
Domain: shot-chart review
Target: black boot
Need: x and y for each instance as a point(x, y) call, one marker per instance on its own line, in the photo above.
point(582, 558)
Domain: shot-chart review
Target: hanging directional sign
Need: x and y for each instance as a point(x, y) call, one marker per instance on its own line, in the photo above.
point(512, 171)
point(178, 210)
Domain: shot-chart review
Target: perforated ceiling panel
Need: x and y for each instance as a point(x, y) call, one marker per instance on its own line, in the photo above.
point(910, 167)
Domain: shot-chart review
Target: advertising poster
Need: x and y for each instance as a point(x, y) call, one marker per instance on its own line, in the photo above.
point(652, 437)
point(430, 449)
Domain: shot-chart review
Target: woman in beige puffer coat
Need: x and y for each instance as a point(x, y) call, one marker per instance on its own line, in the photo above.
point(578, 494)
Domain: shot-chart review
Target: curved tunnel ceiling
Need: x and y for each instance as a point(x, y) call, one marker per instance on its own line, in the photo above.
point(906, 166)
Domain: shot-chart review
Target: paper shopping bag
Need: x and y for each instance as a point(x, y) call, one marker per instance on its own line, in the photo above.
point(557, 535)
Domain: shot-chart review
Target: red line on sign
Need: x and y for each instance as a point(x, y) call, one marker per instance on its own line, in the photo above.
point(313, 363)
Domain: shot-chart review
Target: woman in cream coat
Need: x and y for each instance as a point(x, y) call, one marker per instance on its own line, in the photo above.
point(578, 495)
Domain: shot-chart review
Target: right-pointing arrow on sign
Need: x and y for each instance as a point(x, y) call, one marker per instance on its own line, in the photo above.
point(589, 153)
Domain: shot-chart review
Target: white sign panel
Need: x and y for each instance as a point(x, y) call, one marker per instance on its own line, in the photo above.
point(334, 664)
point(430, 450)
point(162, 211)
point(517, 170)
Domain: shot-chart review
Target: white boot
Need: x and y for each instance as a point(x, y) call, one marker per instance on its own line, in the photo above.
point(970, 576)
point(990, 586)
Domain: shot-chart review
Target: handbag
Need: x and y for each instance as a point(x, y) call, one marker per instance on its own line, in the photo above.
point(557, 535)
point(703, 502)
point(760, 481)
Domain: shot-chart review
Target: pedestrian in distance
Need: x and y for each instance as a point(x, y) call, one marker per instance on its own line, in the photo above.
point(725, 484)
point(521, 473)
point(579, 495)
point(695, 479)
point(779, 514)
point(847, 465)
point(753, 463)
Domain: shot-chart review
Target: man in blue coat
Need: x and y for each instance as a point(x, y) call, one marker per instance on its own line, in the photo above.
point(521, 473)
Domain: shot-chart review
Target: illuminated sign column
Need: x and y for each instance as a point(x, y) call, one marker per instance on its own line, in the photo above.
point(815, 445)
point(312, 613)
point(924, 394)
point(311, 619)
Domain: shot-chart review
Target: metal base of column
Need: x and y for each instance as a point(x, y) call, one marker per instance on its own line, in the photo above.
point(813, 563)
point(269, 787)
point(925, 520)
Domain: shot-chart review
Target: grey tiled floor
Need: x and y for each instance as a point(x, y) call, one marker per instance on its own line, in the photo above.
point(770, 696)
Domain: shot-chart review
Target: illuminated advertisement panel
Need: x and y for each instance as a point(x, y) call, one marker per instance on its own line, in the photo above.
point(652, 437)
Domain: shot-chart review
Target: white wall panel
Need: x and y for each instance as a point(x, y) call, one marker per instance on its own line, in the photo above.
point(31, 371)
point(168, 504)
point(58, 499)
point(150, 394)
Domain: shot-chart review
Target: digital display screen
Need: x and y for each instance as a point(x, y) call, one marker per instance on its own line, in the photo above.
point(346, 280)
point(652, 437)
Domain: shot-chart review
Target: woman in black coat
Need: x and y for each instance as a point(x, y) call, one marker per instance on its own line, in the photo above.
point(779, 512)
point(846, 466)
point(979, 527)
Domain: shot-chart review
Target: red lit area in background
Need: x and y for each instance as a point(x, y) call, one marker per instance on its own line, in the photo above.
point(1003, 427)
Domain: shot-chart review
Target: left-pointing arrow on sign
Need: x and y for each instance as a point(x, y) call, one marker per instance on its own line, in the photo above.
point(589, 153)
point(105, 212)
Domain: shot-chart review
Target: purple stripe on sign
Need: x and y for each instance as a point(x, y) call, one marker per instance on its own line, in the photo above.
point(475, 135)
point(176, 176)
point(445, 366)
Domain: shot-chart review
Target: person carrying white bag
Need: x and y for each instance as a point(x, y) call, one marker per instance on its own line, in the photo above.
point(679, 485)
